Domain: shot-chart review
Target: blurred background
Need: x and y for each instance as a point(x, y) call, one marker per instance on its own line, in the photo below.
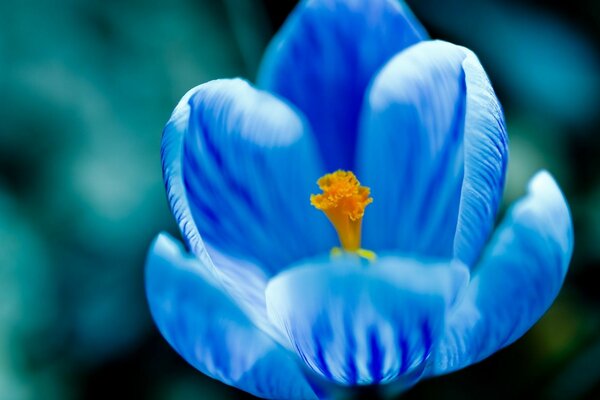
point(86, 87)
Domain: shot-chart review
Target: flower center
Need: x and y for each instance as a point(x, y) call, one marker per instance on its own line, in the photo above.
point(344, 201)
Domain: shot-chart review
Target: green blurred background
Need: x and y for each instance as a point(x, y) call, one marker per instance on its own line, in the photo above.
point(86, 87)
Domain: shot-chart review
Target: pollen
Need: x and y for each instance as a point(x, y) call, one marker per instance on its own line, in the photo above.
point(343, 201)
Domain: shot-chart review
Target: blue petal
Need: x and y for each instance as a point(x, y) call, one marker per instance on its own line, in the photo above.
point(248, 167)
point(364, 324)
point(411, 150)
point(244, 280)
point(486, 156)
point(517, 280)
point(207, 329)
point(172, 147)
point(324, 58)
point(433, 151)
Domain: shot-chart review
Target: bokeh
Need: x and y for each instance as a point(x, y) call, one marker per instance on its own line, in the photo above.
point(86, 87)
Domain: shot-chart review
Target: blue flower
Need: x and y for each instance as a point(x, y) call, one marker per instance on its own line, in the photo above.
point(261, 302)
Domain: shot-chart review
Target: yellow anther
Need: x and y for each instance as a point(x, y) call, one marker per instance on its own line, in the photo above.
point(367, 254)
point(344, 201)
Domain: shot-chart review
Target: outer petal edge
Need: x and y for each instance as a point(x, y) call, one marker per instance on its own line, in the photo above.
point(517, 280)
point(208, 329)
point(485, 162)
point(244, 280)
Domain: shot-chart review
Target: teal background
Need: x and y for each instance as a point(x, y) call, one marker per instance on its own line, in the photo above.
point(86, 87)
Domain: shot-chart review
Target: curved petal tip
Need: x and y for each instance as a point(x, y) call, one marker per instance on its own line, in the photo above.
point(517, 280)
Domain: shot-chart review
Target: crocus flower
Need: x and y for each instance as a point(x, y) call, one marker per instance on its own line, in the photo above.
point(291, 296)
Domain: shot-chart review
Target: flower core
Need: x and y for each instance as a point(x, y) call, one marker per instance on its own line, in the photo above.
point(344, 201)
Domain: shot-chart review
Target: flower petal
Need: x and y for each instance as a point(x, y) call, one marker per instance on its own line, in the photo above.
point(433, 144)
point(411, 150)
point(517, 280)
point(245, 281)
point(207, 329)
point(486, 157)
point(324, 57)
point(364, 324)
point(248, 166)
point(172, 147)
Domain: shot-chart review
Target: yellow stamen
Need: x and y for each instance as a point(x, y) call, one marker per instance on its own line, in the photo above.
point(344, 201)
